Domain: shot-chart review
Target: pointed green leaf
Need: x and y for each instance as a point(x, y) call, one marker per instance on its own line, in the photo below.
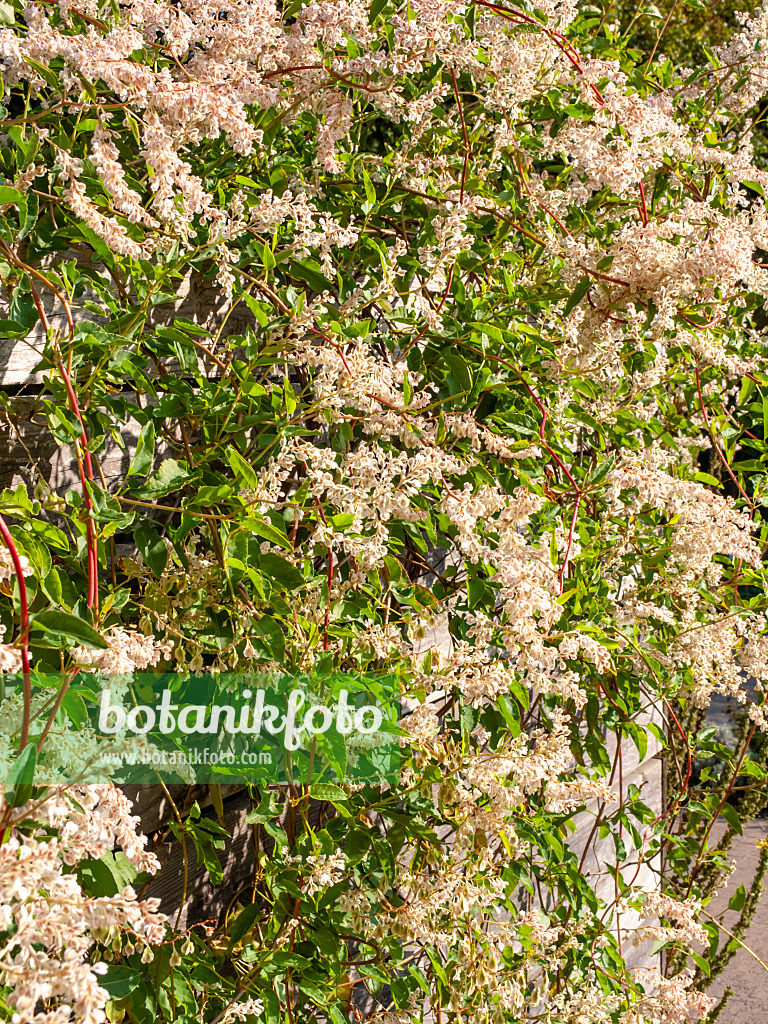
point(141, 462)
point(62, 626)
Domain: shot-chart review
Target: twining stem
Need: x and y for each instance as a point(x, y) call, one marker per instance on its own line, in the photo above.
point(330, 569)
point(55, 709)
point(85, 468)
point(716, 446)
point(564, 569)
point(23, 640)
point(84, 464)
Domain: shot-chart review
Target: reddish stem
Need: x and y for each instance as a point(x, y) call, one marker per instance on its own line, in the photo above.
point(717, 448)
point(723, 802)
point(55, 709)
point(464, 130)
point(564, 569)
point(544, 416)
point(602, 312)
point(328, 605)
point(24, 627)
point(85, 472)
point(697, 327)
point(330, 567)
point(93, 564)
point(423, 330)
point(643, 207)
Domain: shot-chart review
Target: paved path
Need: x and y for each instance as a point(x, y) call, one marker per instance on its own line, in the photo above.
point(749, 981)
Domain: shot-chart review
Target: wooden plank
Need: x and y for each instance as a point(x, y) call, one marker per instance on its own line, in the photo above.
point(29, 451)
point(199, 300)
point(200, 901)
point(154, 803)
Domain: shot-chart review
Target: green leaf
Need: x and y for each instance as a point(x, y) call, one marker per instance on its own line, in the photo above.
point(286, 959)
point(169, 476)
point(272, 1006)
point(310, 272)
point(312, 990)
point(120, 981)
point(21, 774)
point(51, 585)
point(701, 963)
point(73, 706)
point(51, 535)
point(10, 195)
point(370, 191)
point(28, 211)
point(244, 922)
point(45, 73)
point(12, 329)
point(280, 569)
point(141, 462)
point(577, 294)
point(739, 898)
point(290, 397)
point(106, 875)
point(242, 468)
point(152, 548)
point(730, 815)
point(88, 87)
point(707, 478)
point(459, 368)
point(327, 791)
point(265, 529)
point(65, 627)
point(601, 471)
point(640, 739)
point(97, 243)
point(269, 808)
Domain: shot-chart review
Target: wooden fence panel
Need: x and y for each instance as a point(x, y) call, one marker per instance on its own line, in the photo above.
point(25, 439)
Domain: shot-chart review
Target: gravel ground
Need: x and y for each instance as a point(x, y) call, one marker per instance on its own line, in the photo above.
point(747, 978)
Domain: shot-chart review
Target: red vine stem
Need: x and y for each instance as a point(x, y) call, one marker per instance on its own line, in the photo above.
point(328, 605)
point(564, 569)
point(568, 50)
point(55, 709)
point(643, 207)
point(544, 417)
point(717, 446)
point(87, 471)
point(330, 568)
point(24, 627)
point(684, 788)
point(553, 455)
point(449, 280)
point(84, 464)
point(464, 131)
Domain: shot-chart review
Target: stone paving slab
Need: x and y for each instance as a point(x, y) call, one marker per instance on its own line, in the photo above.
point(747, 978)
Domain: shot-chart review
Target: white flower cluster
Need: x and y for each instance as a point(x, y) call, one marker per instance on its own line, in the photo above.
point(48, 921)
point(128, 651)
